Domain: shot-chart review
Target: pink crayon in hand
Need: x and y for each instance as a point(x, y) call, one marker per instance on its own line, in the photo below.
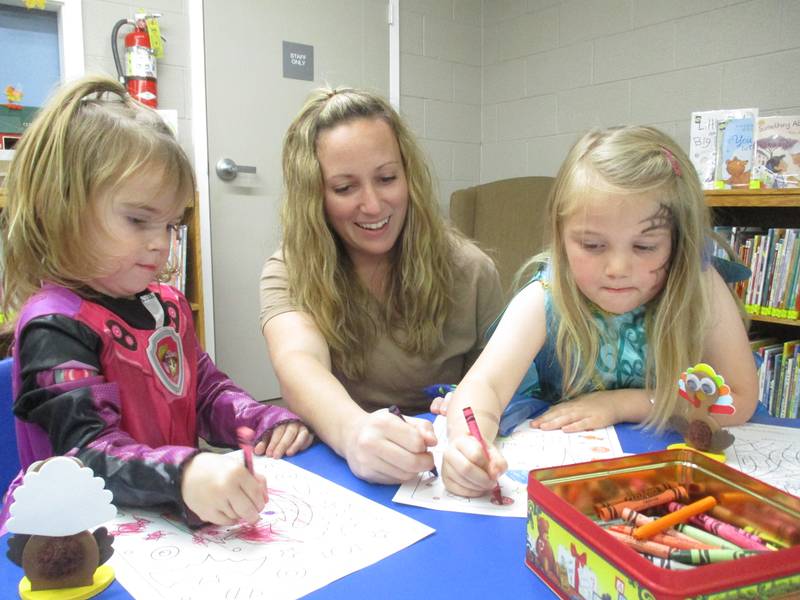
point(246, 437)
point(472, 424)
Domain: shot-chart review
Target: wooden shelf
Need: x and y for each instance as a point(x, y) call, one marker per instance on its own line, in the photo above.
point(777, 321)
point(788, 197)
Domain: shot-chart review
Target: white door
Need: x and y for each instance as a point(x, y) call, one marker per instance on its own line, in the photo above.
point(250, 104)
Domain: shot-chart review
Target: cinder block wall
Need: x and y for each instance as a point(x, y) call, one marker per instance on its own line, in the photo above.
point(174, 80)
point(552, 69)
point(502, 88)
point(440, 86)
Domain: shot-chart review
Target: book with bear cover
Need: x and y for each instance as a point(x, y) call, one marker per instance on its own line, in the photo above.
point(735, 150)
point(777, 158)
point(703, 140)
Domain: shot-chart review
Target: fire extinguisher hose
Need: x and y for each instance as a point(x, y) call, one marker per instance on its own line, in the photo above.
point(115, 47)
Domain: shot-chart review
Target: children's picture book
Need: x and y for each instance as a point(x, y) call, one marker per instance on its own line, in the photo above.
point(734, 152)
point(524, 449)
point(777, 158)
point(311, 532)
point(703, 140)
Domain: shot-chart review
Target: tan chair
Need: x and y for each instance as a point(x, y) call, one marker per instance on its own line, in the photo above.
point(506, 218)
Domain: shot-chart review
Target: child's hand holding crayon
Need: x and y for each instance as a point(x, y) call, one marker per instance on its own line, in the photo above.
point(222, 491)
point(471, 466)
point(466, 470)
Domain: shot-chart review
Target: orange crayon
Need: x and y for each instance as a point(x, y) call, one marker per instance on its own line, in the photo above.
point(643, 494)
point(614, 511)
point(679, 516)
point(643, 546)
point(637, 519)
point(668, 540)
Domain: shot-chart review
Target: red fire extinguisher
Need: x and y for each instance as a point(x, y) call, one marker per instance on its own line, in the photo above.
point(139, 75)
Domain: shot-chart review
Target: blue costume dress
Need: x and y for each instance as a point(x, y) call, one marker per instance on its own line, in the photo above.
point(620, 361)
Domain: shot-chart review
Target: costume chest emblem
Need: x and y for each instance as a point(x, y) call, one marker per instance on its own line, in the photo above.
point(165, 353)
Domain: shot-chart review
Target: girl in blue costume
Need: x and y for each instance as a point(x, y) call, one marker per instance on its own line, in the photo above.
point(620, 305)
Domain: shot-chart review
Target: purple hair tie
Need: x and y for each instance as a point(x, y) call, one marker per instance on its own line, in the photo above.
point(673, 162)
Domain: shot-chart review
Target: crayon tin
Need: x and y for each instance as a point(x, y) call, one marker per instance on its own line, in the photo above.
point(578, 559)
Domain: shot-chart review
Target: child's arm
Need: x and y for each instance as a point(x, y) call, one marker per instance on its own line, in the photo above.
point(378, 446)
point(487, 388)
point(727, 350)
point(222, 407)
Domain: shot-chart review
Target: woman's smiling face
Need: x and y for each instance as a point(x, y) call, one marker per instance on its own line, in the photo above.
point(365, 187)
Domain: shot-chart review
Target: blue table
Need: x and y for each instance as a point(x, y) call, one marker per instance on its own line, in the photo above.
point(469, 556)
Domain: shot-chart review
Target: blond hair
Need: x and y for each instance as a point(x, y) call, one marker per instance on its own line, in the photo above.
point(636, 161)
point(322, 279)
point(90, 136)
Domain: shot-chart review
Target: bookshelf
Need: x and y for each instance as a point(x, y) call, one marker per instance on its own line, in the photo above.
point(760, 208)
point(774, 339)
point(194, 274)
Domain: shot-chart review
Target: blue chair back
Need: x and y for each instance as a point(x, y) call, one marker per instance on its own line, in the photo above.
point(9, 458)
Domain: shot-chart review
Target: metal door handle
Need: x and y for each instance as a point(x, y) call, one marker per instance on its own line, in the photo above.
point(227, 169)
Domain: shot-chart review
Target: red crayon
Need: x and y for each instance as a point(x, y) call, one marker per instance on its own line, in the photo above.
point(472, 424)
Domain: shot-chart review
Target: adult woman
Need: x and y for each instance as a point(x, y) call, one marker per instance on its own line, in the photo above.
point(372, 295)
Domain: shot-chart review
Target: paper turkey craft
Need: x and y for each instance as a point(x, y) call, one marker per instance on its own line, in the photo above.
point(54, 508)
point(704, 394)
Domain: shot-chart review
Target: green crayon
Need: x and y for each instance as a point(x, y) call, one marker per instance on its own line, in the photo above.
point(666, 563)
point(706, 557)
point(705, 537)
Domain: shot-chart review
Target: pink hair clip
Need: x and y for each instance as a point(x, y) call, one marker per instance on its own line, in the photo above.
point(676, 168)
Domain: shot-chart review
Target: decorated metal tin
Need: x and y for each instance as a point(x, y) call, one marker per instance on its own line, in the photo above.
point(577, 559)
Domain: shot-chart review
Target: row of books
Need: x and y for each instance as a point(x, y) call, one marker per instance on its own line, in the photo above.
point(773, 256)
point(738, 149)
point(177, 258)
point(778, 376)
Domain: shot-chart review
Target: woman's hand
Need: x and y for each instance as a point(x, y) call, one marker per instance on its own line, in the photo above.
point(382, 448)
point(589, 411)
point(285, 439)
point(221, 490)
point(465, 470)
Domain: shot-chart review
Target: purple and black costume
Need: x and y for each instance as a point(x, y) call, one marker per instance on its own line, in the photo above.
point(100, 379)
